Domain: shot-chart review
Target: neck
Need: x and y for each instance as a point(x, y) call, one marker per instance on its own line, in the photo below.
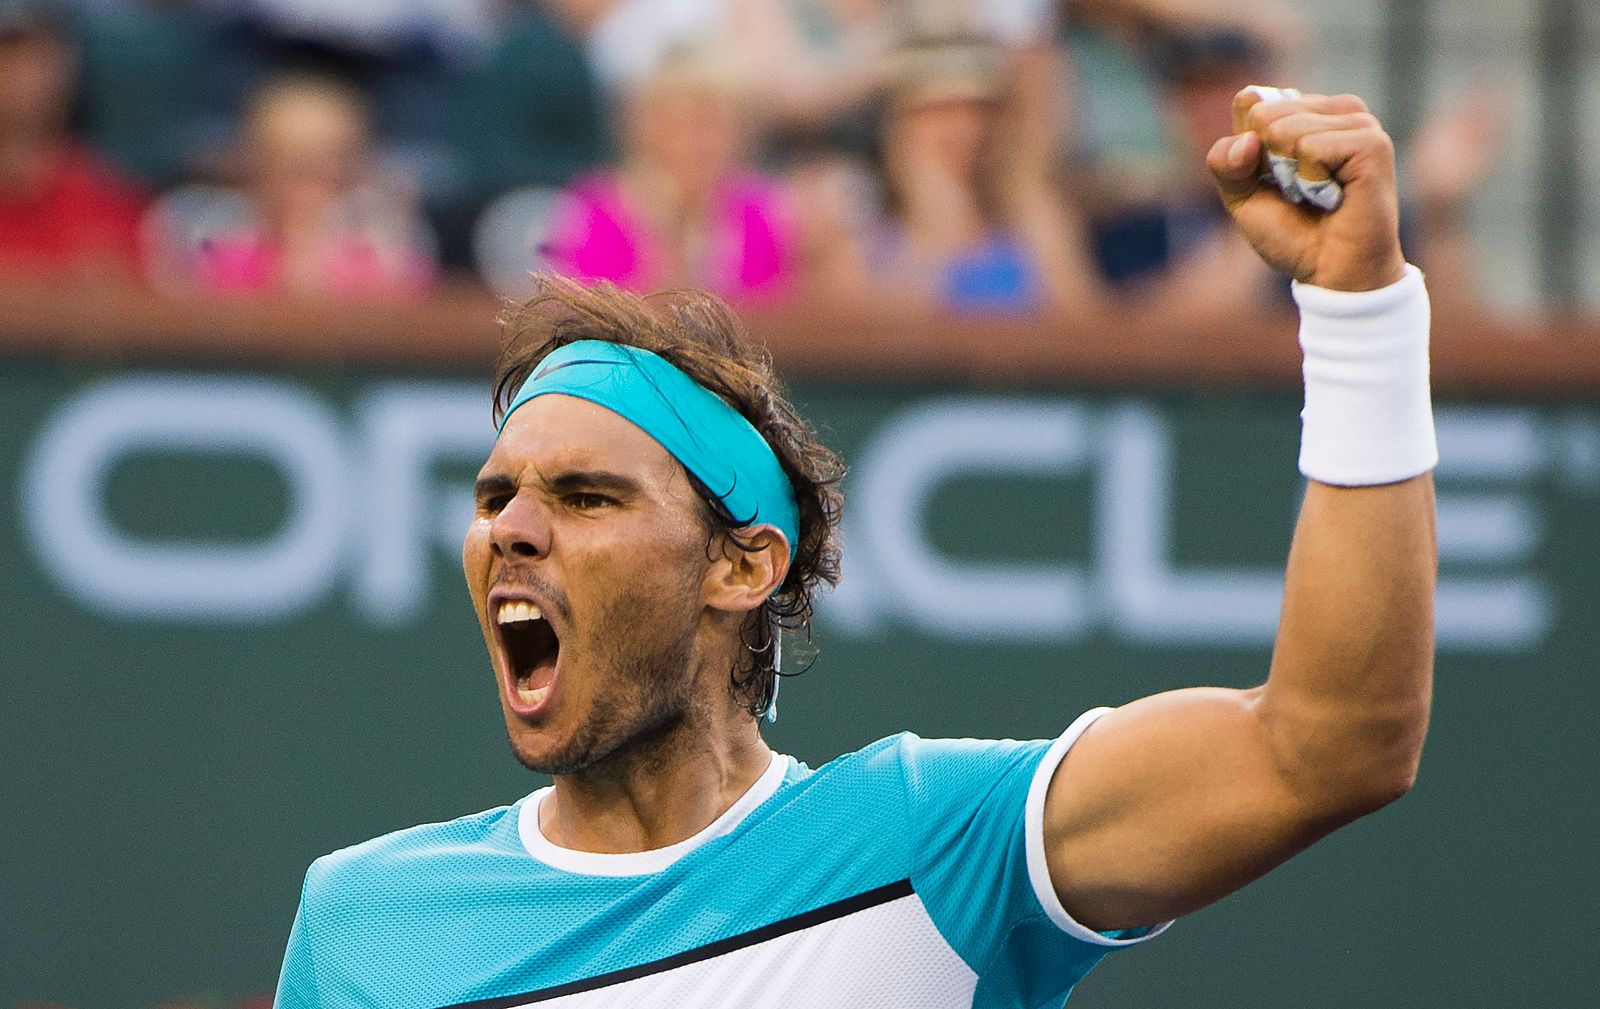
point(670, 202)
point(940, 214)
point(657, 795)
point(26, 159)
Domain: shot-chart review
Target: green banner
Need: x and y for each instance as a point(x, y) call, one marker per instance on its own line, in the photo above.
point(236, 638)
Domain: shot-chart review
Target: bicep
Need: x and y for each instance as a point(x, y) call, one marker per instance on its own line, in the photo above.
point(1168, 804)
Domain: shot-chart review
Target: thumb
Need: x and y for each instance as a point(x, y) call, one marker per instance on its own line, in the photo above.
point(1235, 163)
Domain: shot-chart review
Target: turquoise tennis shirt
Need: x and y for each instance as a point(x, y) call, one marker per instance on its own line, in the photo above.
point(909, 873)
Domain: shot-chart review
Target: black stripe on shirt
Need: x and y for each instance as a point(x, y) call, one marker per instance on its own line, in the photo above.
point(782, 927)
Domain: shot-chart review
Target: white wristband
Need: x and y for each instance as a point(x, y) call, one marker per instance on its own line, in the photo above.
point(1368, 417)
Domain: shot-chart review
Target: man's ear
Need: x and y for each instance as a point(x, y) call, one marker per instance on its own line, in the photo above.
point(747, 566)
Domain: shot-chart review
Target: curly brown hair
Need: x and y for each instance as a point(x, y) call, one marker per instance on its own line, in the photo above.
point(700, 335)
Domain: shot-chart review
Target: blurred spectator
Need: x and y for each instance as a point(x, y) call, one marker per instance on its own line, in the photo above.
point(1271, 21)
point(1124, 140)
point(1014, 24)
point(1116, 128)
point(628, 40)
point(325, 223)
point(812, 61)
point(820, 64)
point(63, 212)
point(1167, 234)
point(531, 112)
point(1446, 165)
point(156, 95)
point(1173, 238)
point(418, 28)
point(976, 221)
point(1201, 73)
point(407, 59)
point(682, 207)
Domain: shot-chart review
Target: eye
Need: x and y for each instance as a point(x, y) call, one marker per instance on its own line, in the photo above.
point(493, 504)
point(586, 501)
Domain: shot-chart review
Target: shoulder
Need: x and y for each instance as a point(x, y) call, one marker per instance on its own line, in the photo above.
point(747, 192)
point(90, 176)
point(405, 857)
point(907, 763)
point(963, 771)
point(751, 186)
point(598, 190)
point(866, 779)
point(878, 758)
point(908, 748)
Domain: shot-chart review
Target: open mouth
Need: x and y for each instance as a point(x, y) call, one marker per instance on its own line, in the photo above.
point(529, 646)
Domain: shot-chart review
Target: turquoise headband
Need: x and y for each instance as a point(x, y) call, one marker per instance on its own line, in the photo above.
point(712, 439)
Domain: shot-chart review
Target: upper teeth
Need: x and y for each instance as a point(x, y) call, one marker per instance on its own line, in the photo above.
point(515, 610)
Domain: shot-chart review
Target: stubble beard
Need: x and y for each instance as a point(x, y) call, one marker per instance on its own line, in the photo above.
point(647, 697)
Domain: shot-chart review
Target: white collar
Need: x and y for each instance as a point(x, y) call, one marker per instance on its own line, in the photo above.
point(641, 863)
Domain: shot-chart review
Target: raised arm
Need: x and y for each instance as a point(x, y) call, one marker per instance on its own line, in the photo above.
point(1175, 800)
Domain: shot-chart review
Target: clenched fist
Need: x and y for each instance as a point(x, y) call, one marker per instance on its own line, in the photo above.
point(1354, 248)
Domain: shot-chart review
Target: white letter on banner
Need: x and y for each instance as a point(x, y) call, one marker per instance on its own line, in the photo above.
point(1495, 527)
point(1151, 600)
point(97, 564)
point(406, 428)
point(931, 443)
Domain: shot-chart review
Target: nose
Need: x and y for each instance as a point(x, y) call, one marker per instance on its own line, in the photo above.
point(522, 529)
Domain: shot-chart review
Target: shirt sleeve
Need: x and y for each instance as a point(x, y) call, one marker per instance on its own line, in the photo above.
point(297, 987)
point(976, 811)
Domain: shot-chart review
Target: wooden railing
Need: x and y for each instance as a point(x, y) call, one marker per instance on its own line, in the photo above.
point(1474, 354)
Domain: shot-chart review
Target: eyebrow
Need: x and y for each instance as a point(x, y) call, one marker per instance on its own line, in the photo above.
point(493, 485)
point(593, 480)
point(497, 484)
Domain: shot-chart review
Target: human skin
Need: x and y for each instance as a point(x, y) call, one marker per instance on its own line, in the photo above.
point(683, 138)
point(583, 514)
point(1175, 800)
point(36, 84)
point(1163, 805)
point(307, 152)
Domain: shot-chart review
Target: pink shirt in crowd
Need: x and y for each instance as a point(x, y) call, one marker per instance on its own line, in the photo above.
point(751, 250)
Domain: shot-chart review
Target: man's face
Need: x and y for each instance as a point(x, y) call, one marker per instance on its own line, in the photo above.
point(36, 80)
point(588, 526)
point(949, 132)
point(694, 133)
point(1204, 104)
point(308, 150)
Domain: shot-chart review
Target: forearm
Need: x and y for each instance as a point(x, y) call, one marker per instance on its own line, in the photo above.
point(1171, 801)
point(1445, 249)
point(1346, 705)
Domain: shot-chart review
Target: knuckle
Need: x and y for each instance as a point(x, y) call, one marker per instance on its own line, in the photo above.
point(1261, 116)
point(1312, 145)
point(1279, 135)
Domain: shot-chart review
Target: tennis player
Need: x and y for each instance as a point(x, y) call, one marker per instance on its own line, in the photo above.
point(654, 513)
